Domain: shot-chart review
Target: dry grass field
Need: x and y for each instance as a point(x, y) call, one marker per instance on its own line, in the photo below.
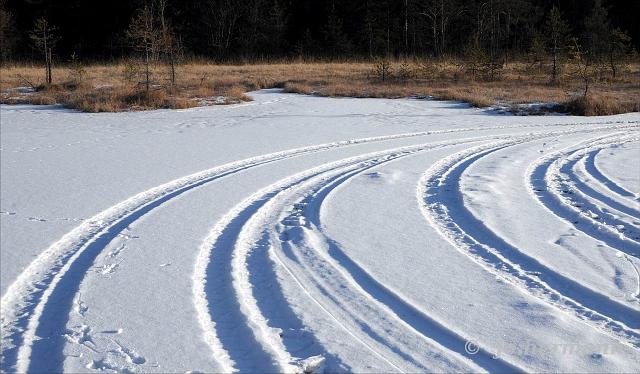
point(117, 87)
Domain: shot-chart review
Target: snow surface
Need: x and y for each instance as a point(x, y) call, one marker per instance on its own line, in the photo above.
point(304, 234)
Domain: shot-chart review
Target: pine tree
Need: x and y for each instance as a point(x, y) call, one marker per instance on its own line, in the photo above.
point(618, 45)
point(7, 32)
point(306, 45)
point(334, 36)
point(556, 30)
point(44, 38)
point(537, 51)
point(597, 30)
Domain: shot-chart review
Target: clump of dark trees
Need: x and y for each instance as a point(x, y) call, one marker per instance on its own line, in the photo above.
point(250, 29)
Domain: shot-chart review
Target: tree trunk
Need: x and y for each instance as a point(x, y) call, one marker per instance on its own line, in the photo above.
point(49, 63)
point(406, 28)
point(167, 41)
point(146, 62)
point(173, 69)
point(369, 28)
point(585, 77)
point(554, 78)
point(586, 86)
point(612, 63)
point(388, 51)
point(46, 55)
point(370, 40)
point(435, 38)
point(442, 47)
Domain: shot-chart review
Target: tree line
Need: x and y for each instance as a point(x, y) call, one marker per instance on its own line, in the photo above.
point(331, 29)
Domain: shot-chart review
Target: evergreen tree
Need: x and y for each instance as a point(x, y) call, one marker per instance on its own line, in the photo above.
point(44, 38)
point(7, 33)
point(597, 30)
point(228, 29)
point(618, 46)
point(556, 30)
point(335, 38)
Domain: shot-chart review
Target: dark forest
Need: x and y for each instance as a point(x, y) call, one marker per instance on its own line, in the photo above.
point(329, 29)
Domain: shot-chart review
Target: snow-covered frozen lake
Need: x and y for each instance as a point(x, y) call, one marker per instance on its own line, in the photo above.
point(296, 233)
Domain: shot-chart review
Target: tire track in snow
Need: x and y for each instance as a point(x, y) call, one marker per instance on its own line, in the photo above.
point(65, 262)
point(584, 199)
point(219, 289)
point(580, 168)
point(26, 298)
point(402, 315)
point(637, 272)
point(213, 265)
point(551, 187)
point(339, 284)
point(221, 240)
point(442, 204)
point(592, 168)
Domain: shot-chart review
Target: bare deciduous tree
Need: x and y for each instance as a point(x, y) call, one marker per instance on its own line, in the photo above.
point(584, 67)
point(168, 42)
point(221, 23)
point(440, 13)
point(144, 36)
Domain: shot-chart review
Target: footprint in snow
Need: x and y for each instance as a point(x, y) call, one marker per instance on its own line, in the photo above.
point(120, 359)
point(390, 177)
point(103, 365)
point(116, 251)
point(81, 335)
point(130, 355)
point(127, 236)
point(108, 269)
point(79, 306)
point(114, 332)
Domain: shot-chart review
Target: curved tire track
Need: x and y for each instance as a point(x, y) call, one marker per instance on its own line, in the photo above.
point(66, 261)
point(592, 168)
point(580, 168)
point(232, 241)
point(403, 313)
point(551, 187)
point(222, 240)
point(37, 292)
point(442, 205)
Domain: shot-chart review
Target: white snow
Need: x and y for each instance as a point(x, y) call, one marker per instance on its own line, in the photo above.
point(305, 234)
